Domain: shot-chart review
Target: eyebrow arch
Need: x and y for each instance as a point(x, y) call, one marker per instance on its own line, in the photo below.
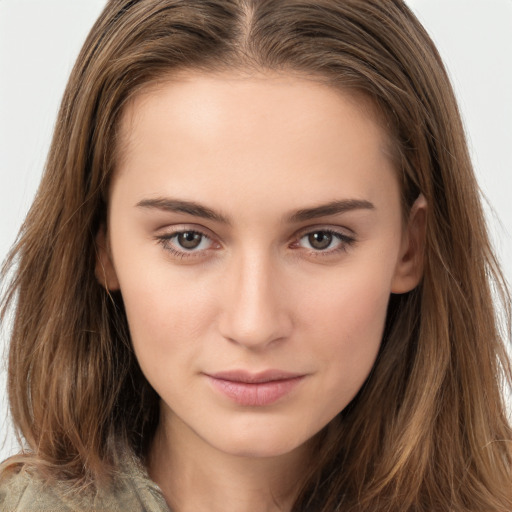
point(179, 206)
point(332, 208)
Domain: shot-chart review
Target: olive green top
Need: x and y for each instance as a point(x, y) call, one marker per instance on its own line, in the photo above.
point(131, 491)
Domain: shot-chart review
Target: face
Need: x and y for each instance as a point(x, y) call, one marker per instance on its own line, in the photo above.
point(255, 233)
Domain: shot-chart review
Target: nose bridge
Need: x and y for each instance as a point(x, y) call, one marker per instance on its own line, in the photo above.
point(254, 313)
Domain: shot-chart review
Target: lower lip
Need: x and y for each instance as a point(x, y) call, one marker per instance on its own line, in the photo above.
point(255, 394)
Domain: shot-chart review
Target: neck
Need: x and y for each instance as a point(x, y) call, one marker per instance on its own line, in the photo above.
point(196, 477)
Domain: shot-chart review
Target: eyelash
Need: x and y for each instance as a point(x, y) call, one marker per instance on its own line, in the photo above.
point(344, 243)
point(165, 242)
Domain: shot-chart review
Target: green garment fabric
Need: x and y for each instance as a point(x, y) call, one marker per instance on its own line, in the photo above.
point(132, 491)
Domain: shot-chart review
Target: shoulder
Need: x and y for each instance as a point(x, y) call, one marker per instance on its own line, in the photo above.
point(19, 491)
point(23, 491)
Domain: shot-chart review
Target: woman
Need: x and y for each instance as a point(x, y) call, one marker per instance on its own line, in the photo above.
point(267, 283)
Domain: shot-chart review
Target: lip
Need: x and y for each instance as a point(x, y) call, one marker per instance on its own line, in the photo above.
point(255, 389)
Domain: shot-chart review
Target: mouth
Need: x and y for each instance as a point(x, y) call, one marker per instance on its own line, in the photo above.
point(255, 389)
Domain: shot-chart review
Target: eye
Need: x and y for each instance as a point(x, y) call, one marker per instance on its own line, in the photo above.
point(185, 243)
point(325, 240)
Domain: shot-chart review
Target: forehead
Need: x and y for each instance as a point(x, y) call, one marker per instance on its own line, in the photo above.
point(251, 131)
point(194, 97)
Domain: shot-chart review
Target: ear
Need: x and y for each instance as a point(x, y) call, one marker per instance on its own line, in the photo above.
point(104, 269)
point(409, 269)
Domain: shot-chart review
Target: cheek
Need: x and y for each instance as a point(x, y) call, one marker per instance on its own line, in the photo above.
point(165, 317)
point(345, 331)
point(353, 305)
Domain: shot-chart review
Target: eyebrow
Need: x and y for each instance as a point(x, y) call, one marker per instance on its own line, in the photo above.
point(198, 210)
point(188, 207)
point(332, 208)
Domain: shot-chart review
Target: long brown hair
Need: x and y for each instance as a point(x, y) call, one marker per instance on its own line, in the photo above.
point(429, 429)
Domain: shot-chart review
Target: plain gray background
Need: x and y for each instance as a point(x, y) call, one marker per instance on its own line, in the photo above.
point(39, 41)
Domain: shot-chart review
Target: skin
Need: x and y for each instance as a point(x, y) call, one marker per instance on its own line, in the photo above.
point(265, 288)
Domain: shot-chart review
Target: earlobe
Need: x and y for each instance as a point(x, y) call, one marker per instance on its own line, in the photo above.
point(409, 269)
point(104, 269)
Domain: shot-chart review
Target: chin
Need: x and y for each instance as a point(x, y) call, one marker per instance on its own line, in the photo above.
point(257, 443)
point(260, 450)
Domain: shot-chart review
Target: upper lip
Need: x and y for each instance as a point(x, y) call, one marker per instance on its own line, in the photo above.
point(254, 378)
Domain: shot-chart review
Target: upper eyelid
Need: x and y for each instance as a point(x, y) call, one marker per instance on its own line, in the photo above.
point(168, 233)
point(183, 228)
point(342, 231)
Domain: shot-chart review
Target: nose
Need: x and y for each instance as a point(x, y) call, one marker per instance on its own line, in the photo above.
point(254, 311)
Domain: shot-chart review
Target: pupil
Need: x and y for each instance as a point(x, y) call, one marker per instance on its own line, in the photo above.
point(189, 239)
point(320, 240)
